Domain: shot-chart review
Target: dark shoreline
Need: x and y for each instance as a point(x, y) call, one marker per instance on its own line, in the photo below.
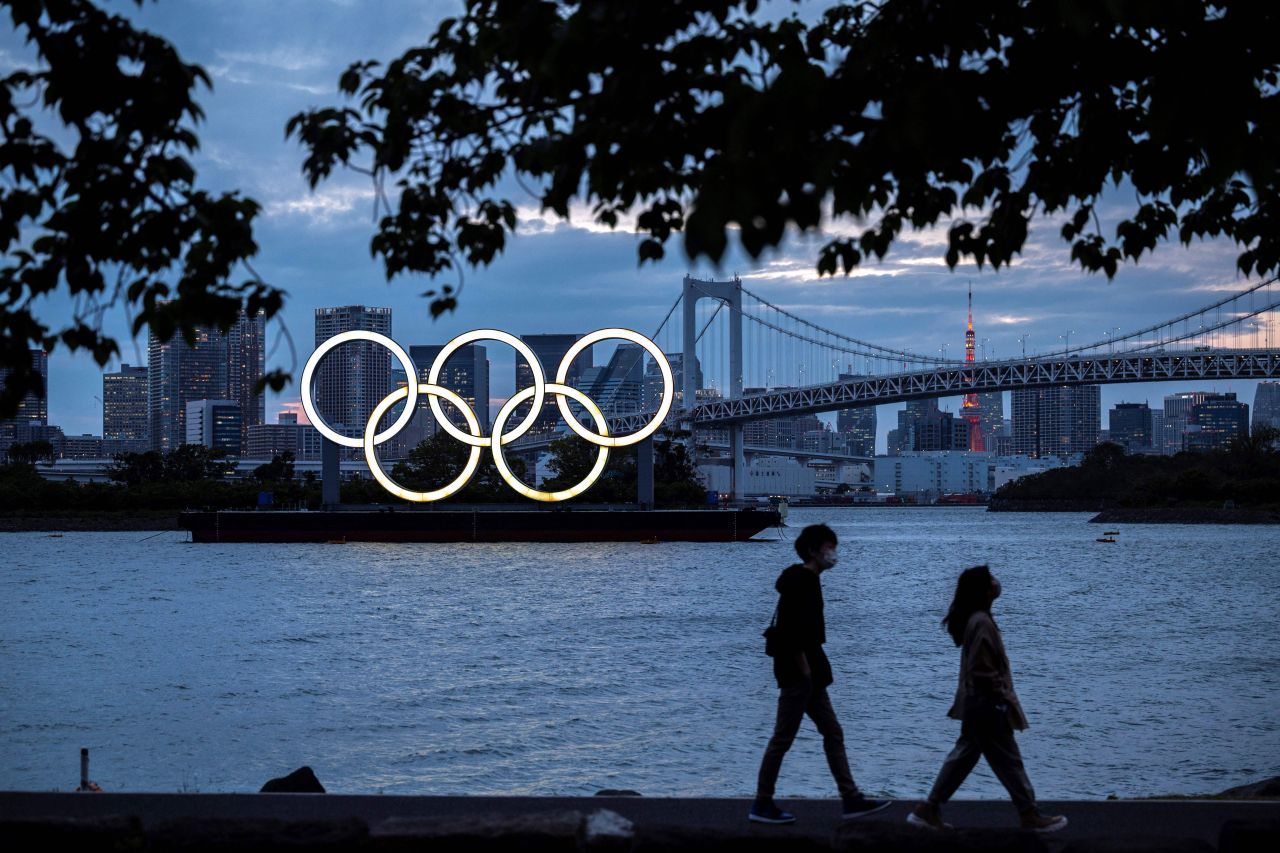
point(93, 521)
point(1142, 515)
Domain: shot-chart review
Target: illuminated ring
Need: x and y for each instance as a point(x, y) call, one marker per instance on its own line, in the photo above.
point(668, 387)
point(369, 441)
point(309, 406)
point(539, 384)
point(501, 462)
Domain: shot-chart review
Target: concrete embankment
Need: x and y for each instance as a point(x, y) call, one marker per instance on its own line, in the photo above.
point(217, 822)
point(1186, 515)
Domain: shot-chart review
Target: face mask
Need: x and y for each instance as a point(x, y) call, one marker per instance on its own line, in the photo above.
point(995, 582)
point(828, 558)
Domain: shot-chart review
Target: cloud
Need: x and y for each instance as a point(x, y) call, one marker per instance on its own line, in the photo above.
point(324, 206)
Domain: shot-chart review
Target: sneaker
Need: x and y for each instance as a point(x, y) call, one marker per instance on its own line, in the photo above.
point(928, 816)
point(860, 806)
point(1037, 822)
point(769, 813)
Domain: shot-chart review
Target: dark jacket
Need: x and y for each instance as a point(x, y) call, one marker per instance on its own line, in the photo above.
point(801, 628)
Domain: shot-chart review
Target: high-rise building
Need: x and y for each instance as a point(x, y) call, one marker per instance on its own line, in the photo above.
point(1217, 420)
point(1059, 420)
point(617, 387)
point(33, 409)
point(550, 350)
point(1266, 406)
point(466, 374)
point(246, 363)
point(991, 415)
point(653, 381)
point(268, 440)
point(858, 425)
point(178, 373)
point(125, 422)
point(355, 376)
point(215, 424)
point(1131, 425)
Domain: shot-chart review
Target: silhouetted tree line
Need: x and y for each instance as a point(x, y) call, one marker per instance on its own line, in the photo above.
point(1247, 473)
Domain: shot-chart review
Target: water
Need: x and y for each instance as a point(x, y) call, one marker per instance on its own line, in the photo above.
point(1149, 666)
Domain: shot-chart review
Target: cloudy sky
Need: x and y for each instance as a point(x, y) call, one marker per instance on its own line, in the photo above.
point(269, 60)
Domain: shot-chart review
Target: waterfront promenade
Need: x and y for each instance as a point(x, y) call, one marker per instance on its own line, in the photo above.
point(336, 821)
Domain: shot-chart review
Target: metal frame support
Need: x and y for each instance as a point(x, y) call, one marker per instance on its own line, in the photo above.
point(330, 492)
point(644, 473)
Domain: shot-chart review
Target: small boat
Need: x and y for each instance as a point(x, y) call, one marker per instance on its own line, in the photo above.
point(1105, 539)
point(1111, 533)
point(55, 535)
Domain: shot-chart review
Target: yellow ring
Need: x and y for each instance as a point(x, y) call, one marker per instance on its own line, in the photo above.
point(499, 460)
point(668, 387)
point(391, 485)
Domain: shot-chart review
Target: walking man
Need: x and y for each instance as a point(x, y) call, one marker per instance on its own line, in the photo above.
point(804, 674)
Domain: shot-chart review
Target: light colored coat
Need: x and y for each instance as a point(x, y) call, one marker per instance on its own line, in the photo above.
point(984, 669)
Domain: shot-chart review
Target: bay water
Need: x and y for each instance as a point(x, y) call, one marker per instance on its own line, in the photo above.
point(1148, 666)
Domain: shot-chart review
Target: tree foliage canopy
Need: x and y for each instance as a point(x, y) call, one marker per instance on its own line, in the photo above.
point(105, 206)
point(701, 118)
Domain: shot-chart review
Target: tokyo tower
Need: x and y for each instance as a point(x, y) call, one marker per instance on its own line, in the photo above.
point(971, 410)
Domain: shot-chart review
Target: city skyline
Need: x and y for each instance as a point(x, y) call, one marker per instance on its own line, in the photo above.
point(558, 275)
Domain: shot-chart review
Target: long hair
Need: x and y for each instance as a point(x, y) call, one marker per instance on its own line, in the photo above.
point(972, 592)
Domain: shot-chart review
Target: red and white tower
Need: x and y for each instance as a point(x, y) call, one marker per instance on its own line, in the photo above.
point(971, 410)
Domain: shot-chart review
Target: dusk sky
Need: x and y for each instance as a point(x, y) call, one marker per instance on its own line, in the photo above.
point(271, 60)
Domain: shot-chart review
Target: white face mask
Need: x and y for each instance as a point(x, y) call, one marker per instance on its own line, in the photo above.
point(827, 558)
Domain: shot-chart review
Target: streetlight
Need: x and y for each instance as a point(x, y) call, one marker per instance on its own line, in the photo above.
point(1066, 340)
point(1023, 339)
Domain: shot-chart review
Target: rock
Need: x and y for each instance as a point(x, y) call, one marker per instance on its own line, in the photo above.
point(1265, 788)
point(300, 781)
point(251, 835)
point(618, 792)
point(902, 838)
point(1249, 836)
point(605, 830)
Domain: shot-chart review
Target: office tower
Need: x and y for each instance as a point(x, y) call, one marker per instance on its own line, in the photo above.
point(178, 373)
point(858, 425)
point(923, 427)
point(1132, 425)
point(1216, 421)
point(32, 417)
point(268, 440)
point(353, 377)
point(1266, 406)
point(550, 350)
point(246, 363)
point(124, 411)
point(991, 413)
point(653, 381)
point(1157, 430)
point(214, 424)
point(617, 387)
point(466, 374)
point(1059, 420)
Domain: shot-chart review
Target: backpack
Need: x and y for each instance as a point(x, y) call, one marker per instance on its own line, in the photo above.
point(772, 636)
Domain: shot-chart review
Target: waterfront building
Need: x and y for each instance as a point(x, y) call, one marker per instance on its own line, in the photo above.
point(1266, 405)
point(858, 425)
point(125, 419)
point(1217, 420)
point(766, 475)
point(617, 387)
point(246, 364)
point(82, 447)
point(653, 381)
point(929, 474)
point(33, 409)
point(1059, 420)
point(923, 428)
point(353, 377)
point(268, 440)
point(177, 374)
point(214, 424)
point(1131, 426)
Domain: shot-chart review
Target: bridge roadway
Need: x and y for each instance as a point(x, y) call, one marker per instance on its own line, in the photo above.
point(982, 377)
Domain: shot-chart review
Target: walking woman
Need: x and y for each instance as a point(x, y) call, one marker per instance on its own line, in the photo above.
point(986, 706)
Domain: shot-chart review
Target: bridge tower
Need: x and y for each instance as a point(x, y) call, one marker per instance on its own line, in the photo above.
point(971, 409)
point(730, 293)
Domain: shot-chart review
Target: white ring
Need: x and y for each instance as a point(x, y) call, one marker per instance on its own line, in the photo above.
point(309, 406)
point(391, 485)
point(536, 494)
point(539, 384)
point(668, 387)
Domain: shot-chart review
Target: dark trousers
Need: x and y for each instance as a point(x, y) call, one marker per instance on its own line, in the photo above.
point(793, 704)
point(1001, 750)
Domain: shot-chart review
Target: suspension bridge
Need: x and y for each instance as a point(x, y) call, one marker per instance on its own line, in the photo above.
point(754, 360)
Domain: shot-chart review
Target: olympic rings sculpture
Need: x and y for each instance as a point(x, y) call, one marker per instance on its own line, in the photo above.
point(475, 437)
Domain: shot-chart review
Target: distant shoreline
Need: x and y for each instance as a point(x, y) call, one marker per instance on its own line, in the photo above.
point(1142, 515)
point(99, 521)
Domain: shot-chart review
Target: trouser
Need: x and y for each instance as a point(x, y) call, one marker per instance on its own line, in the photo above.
point(793, 704)
point(1001, 750)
